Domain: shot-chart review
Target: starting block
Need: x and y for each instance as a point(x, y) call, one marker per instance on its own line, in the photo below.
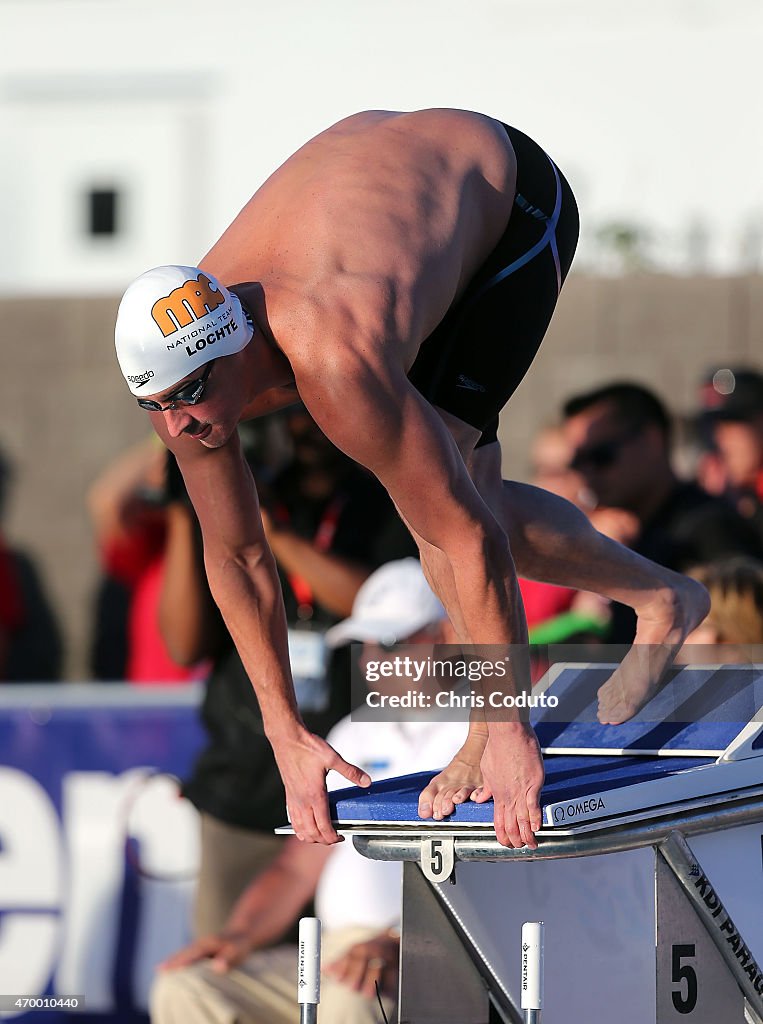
point(648, 875)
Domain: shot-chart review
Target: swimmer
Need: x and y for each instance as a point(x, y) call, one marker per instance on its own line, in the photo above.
point(397, 274)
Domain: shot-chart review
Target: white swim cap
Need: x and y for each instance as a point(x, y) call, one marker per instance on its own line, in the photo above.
point(171, 321)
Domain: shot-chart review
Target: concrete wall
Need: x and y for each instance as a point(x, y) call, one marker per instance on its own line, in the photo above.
point(660, 330)
point(65, 412)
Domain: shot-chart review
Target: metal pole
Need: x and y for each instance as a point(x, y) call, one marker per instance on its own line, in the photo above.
point(739, 808)
point(309, 969)
point(532, 971)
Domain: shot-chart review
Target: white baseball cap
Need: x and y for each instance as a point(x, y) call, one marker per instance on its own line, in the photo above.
point(393, 603)
point(171, 321)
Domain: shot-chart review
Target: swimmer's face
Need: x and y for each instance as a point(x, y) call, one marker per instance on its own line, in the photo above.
point(213, 416)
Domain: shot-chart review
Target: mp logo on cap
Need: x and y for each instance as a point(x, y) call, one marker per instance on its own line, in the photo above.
point(190, 301)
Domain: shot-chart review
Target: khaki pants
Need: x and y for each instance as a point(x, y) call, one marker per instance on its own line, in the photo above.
point(231, 858)
point(263, 990)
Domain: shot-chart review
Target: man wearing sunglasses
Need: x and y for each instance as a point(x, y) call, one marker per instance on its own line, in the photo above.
point(620, 435)
point(399, 273)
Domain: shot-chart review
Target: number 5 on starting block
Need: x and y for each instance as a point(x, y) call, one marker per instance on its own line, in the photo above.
point(438, 858)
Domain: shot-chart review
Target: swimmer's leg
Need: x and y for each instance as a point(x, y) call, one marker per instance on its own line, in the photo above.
point(463, 776)
point(554, 542)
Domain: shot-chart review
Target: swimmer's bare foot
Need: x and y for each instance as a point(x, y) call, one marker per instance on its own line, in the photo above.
point(456, 783)
point(663, 625)
point(505, 765)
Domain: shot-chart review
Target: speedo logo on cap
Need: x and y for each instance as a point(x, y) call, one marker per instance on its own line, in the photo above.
point(188, 302)
point(141, 379)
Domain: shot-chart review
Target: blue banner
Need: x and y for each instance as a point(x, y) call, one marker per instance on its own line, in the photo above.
point(98, 853)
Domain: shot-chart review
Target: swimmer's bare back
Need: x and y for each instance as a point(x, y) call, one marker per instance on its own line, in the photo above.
point(382, 219)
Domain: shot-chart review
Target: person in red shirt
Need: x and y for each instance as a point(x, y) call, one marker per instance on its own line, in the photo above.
point(126, 505)
point(560, 614)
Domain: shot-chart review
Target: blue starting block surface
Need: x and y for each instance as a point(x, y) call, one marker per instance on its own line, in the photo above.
point(700, 712)
point(698, 738)
point(577, 789)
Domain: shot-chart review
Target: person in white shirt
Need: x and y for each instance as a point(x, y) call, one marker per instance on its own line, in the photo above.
point(237, 976)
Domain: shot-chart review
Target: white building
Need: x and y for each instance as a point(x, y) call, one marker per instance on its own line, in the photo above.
point(131, 131)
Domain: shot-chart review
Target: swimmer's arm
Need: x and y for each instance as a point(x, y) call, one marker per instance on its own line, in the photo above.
point(240, 568)
point(244, 583)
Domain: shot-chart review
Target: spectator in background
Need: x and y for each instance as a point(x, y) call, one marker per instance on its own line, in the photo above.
point(620, 435)
point(329, 524)
point(732, 633)
point(735, 586)
point(127, 509)
point(11, 607)
point(550, 458)
point(12, 612)
point(550, 468)
point(228, 977)
point(559, 614)
point(731, 425)
point(30, 639)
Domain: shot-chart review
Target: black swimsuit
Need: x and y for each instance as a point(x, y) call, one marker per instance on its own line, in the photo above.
point(473, 361)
